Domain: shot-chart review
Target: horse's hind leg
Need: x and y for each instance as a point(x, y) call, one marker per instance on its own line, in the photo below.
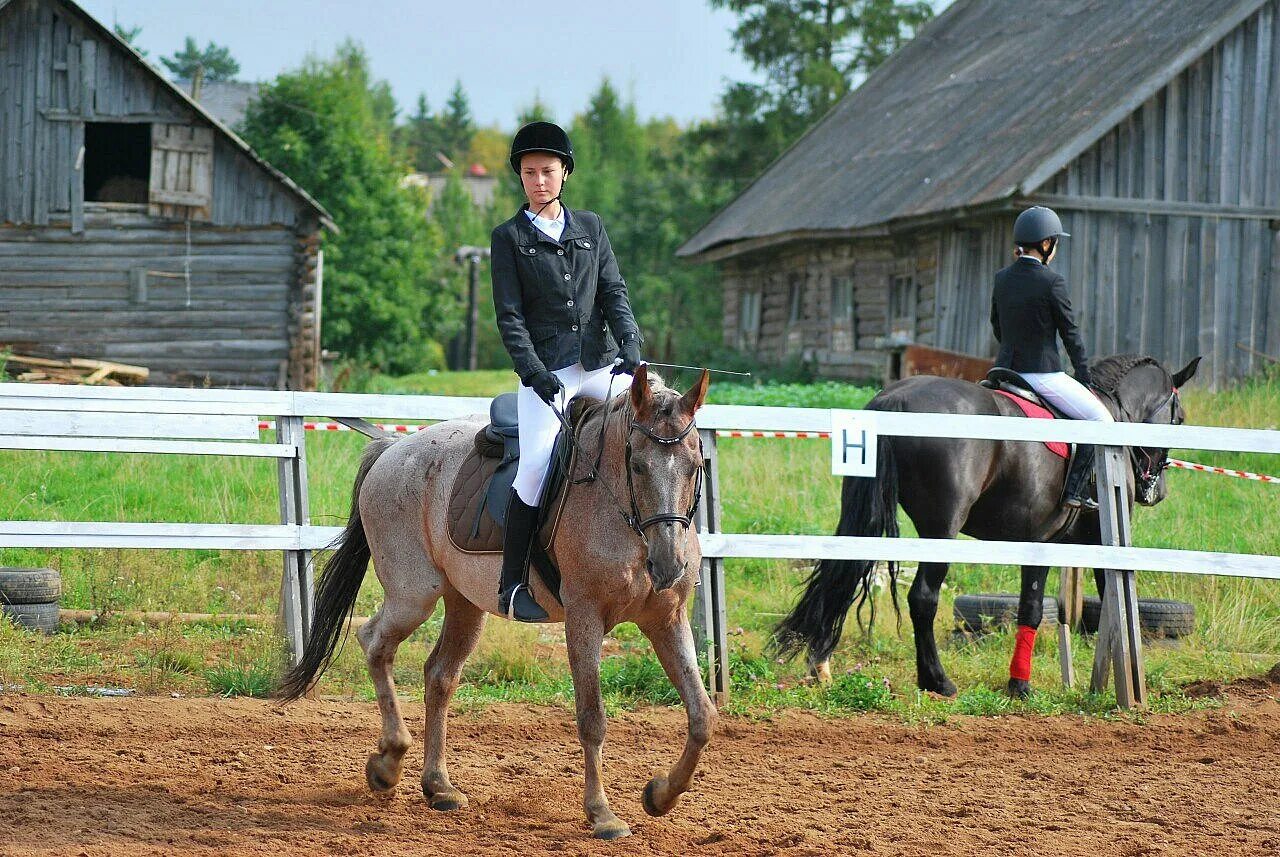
point(463, 622)
point(396, 619)
point(923, 603)
point(1030, 612)
point(673, 644)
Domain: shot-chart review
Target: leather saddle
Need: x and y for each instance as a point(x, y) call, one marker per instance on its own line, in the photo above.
point(1009, 381)
point(481, 492)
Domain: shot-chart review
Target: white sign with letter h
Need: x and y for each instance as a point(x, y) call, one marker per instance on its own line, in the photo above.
point(853, 443)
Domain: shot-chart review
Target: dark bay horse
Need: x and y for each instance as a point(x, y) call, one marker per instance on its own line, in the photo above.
point(987, 489)
point(625, 550)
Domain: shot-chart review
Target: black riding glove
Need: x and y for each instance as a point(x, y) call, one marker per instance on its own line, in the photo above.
point(544, 383)
point(1082, 375)
point(629, 354)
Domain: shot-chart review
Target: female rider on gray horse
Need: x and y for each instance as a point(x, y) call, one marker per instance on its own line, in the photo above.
point(564, 315)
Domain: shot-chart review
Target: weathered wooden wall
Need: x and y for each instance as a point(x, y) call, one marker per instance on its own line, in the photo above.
point(119, 292)
point(74, 275)
point(819, 335)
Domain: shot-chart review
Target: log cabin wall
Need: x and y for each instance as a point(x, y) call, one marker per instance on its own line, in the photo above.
point(133, 228)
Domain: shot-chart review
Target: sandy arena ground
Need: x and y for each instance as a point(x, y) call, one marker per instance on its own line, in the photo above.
point(183, 776)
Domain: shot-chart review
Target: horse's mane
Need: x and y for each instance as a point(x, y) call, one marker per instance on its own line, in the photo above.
point(587, 409)
point(1106, 373)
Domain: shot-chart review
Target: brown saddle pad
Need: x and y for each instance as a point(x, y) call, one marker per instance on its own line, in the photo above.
point(468, 493)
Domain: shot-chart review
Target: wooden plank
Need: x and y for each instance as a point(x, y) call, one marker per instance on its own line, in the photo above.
point(156, 536)
point(289, 432)
point(1118, 205)
point(220, 449)
point(41, 153)
point(1273, 294)
point(743, 545)
point(46, 422)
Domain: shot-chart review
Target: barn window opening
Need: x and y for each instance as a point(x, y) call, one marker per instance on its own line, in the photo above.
point(749, 319)
point(902, 308)
point(117, 161)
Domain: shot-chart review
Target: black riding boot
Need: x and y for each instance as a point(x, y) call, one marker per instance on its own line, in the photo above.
point(514, 598)
point(1075, 494)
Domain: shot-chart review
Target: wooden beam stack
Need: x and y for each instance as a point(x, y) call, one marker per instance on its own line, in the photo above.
point(76, 370)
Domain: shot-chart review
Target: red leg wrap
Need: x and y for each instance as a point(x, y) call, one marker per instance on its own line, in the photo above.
point(1020, 667)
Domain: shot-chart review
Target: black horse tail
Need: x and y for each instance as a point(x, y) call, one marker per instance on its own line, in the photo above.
point(868, 507)
point(336, 590)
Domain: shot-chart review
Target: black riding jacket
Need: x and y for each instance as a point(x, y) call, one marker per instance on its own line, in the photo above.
point(559, 302)
point(1030, 309)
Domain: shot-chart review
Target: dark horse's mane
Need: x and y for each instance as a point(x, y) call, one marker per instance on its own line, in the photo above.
point(1106, 373)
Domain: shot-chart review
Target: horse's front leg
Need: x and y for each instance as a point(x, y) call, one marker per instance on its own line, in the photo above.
point(922, 601)
point(673, 644)
point(1030, 612)
point(584, 632)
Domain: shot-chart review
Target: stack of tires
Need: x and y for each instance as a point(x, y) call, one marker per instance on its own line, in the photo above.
point(977, 615)
point(29, 597)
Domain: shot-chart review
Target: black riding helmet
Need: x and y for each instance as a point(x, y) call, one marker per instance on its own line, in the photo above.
point(1035, 225)
point(542, 137)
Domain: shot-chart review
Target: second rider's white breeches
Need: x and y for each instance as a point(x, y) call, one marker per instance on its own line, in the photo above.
point(539, 425)
point(1069, 396)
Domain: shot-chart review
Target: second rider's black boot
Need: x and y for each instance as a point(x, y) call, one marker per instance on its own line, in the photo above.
point(1075, 493)
point(515, 599)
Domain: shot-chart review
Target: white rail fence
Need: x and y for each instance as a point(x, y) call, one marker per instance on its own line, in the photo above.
point(225, 423)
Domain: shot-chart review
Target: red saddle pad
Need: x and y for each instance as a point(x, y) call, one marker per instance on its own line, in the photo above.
point(1037, 412)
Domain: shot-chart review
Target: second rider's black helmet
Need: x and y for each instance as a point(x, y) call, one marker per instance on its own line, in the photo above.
point(1036, 224)
point(542, 137)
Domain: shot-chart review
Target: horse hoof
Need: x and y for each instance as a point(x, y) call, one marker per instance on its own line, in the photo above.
point(612, 829)
point(447, 801)
point(382, 781)
point(1019, 688)
point(650, 800)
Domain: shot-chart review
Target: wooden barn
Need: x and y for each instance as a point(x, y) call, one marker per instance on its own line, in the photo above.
point(135, 227)
point(1152, 126)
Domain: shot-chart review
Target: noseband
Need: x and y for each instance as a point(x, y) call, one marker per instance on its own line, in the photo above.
point(1145, 465)
point(633, 520)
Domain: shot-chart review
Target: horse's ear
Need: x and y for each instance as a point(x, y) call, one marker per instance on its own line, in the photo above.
point(641, 395)
point(1184, 374)
point(697, 395)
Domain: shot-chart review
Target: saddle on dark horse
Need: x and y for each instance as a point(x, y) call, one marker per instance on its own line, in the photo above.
point(481, 492)
point(1013, 386)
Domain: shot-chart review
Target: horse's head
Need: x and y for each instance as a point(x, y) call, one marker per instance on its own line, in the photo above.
point(1142, 390)
point(663, 465)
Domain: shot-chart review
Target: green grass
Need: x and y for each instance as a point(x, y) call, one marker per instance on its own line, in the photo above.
point(1238, 621)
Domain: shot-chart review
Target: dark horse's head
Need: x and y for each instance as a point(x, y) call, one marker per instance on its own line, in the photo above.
point(1140, 390)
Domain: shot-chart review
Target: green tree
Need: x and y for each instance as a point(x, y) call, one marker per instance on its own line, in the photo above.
point(423, 138)
point(216, 60)
point(811, 53)
point(456, 125)
point(535, 111)
point(328, 126)
point(130, 37)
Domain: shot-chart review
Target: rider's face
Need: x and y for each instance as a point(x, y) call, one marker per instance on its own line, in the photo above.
point(542, 176)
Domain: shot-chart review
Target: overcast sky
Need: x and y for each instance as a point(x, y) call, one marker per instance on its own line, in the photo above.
point(671, 56)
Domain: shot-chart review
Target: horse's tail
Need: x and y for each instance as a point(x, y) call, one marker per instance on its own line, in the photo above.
point(336, 590)
point(868, 507)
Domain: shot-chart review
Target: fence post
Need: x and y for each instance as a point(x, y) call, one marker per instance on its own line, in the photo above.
point(297, 591)
point(1071, 597)
point(711, 633)
point(1119, 638)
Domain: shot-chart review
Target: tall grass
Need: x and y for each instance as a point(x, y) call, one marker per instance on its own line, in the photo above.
point(1238, 621)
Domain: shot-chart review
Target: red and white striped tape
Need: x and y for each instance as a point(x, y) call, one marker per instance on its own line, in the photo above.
point(266, 425)
point(1222, 471)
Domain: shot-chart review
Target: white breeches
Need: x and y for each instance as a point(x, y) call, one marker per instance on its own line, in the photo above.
point(539, 425)
point(1069, 396)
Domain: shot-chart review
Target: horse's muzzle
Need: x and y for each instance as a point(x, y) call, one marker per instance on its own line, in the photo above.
point(664, 576)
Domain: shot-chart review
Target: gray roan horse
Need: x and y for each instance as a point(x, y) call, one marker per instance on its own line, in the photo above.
point(988, 489)
point(617, 564)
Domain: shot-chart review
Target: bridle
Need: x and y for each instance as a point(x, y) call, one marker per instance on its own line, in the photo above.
point(1146, 466)
point(632, 515)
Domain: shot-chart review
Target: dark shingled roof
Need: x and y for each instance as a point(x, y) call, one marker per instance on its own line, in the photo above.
point(990, 99)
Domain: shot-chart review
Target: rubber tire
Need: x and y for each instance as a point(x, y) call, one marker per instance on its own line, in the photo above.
point(29, 585)
point(33, 617)
point(1157, 617)
point(988, 611)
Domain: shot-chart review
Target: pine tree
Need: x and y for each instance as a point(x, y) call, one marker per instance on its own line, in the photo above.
point(215, 60)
